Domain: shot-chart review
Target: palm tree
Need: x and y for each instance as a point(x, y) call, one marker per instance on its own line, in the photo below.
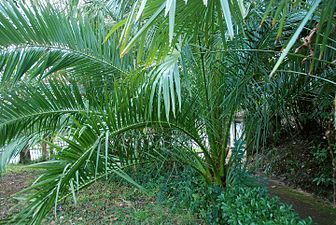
point(186, 77)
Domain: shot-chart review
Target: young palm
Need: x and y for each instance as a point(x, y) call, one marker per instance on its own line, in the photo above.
point(61, 74)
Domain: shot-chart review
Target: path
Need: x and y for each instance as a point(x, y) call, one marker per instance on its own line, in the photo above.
point(304, 204)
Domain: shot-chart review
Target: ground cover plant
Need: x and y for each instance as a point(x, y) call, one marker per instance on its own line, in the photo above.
point(173, 196)
point(130, 83)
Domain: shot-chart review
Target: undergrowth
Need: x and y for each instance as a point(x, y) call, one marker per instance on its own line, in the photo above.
point(243, 202)
point(174, 194)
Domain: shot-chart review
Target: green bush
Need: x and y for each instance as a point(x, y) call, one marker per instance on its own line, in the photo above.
point(239, 204)
point(181, 188)
point(246, 205)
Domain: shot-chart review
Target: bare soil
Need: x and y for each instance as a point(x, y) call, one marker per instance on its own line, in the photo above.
point(11, 183)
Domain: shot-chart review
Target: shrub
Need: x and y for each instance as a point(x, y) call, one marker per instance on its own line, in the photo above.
point(246, 205)
point(181, 188)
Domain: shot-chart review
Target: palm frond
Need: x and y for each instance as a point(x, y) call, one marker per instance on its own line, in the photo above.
point(39, 109)
point(39, 41)
point(186, 20)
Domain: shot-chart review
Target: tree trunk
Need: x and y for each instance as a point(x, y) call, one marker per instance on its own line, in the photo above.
point(333, 157)
point(331, 135)
point(25, 155)
point(334, 175)
point(45, 154)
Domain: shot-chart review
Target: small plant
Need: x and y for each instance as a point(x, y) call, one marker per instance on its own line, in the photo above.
point(323, 179)
point(246, 205)
point(320, 154)
point(324, 176)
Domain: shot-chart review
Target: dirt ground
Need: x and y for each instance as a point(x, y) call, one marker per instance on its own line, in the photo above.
point(11, 183)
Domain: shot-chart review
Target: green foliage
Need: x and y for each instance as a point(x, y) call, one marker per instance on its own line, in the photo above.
point(300, 164)
point(118, 203)
point(181, 188)
point(246, 205)
point(241, 204)
point(324, 176)
point(177, 90)
point(174, 194)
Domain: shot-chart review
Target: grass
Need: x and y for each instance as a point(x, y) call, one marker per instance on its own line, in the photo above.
point(118, 203)
point(17, 168)
point(104, 202)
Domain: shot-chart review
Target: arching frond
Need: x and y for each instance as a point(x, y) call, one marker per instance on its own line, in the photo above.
point(39, 40)
point(185, 20)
